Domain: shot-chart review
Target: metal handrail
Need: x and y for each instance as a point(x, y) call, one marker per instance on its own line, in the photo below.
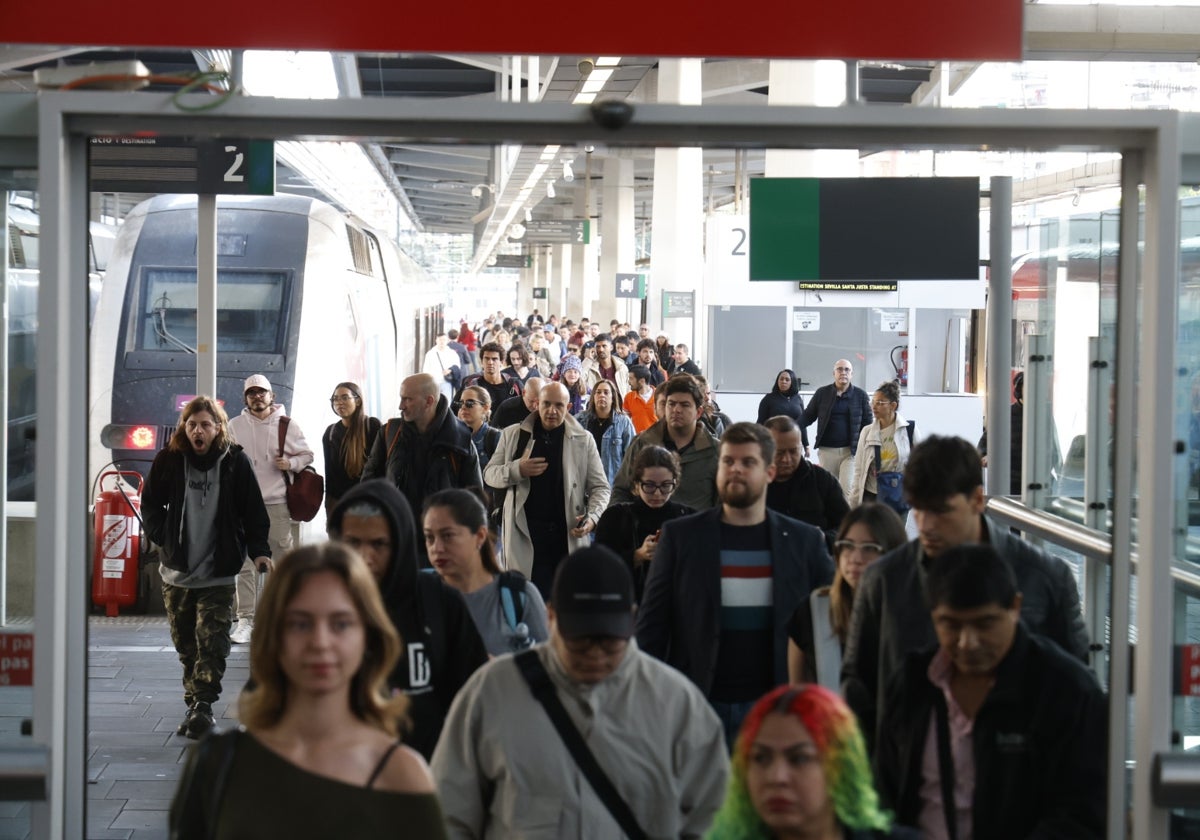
point(1063, 528)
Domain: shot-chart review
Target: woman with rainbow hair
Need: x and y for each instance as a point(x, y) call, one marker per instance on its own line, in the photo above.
point(800, 770)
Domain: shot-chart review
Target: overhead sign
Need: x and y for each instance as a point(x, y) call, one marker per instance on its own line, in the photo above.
point(181, 165)
point(558, 231)
point(870, 29)
point(512, 261)
point(631, 286)
point(863, 233)
point(679, 304)
point(16, 659)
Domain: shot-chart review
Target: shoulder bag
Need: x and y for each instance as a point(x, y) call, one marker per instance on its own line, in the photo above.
point(543, 689)
point(306, 490)
point(889, 486)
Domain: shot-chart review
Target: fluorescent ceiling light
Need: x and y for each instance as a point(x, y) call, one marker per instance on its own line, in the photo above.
point(584, 99)
point(608, 61)
point(549, 152)
point(596, 81)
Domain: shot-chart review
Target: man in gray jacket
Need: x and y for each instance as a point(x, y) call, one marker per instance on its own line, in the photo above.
point(502, 769)
point(943, 481)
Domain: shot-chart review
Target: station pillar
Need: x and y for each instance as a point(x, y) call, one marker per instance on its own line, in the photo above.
point(526, 280)
point(583, 264)
point(618, 251)
point(563, 260)
point(821, 83)
point(676, 261)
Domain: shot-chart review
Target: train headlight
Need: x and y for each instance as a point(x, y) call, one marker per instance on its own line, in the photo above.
point(129, 437)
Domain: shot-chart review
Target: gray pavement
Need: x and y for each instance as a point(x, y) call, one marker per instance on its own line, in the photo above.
point(135, 701)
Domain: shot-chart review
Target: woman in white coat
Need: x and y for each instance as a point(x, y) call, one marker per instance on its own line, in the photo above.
point(883, 446)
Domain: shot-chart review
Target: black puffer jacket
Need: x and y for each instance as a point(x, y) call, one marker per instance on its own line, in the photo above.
point(242, 523)
point(446, 453)
point(789, 403)
point(442, 648)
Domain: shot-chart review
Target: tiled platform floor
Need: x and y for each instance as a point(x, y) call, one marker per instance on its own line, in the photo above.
point(135, 701)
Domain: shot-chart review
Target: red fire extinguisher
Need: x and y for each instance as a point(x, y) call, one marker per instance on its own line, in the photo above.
point(115, 561)
point(901, 366)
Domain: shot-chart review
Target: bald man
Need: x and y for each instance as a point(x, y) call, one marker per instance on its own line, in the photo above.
point(556, 486)
point(426, 449)
point(841, 411)
point(515, 409)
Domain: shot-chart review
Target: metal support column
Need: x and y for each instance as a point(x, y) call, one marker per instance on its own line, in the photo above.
point(206, 295)
point(1036, 446)
point(999, 338)
point(4, 249)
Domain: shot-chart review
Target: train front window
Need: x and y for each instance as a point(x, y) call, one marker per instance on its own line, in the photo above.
point(249, 310)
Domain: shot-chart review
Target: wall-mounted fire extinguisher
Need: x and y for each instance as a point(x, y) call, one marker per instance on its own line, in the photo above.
point(900, 363)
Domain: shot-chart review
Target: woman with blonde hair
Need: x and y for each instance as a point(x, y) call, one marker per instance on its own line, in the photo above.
point(319, 722)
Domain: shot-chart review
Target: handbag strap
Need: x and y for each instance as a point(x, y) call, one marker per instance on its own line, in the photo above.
point(543, 689)
point(283, 427)
point(826, 647)
point(946, 768)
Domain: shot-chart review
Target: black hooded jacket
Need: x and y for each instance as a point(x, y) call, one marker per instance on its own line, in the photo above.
point(441, 647)
point(420, 465)
point(788, 403)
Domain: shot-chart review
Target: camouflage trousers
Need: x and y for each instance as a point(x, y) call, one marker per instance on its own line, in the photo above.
point(200, 621)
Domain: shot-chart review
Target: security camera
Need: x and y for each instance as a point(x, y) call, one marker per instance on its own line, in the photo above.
point(586, 66)
point(612, 113)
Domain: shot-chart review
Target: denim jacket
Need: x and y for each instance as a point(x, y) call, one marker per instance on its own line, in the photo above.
point(616, 440)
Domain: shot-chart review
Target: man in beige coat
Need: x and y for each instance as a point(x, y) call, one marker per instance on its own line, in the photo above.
point(556, 487)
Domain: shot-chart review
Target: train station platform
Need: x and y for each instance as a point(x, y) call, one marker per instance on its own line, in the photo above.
point(135, 701)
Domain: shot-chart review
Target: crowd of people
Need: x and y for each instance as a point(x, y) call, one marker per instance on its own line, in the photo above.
point(567, 597)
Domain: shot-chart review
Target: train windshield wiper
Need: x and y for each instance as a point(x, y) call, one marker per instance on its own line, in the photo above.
point(160, 326)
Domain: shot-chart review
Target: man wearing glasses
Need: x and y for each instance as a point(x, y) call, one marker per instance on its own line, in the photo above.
point(841, 411)
point(733, 575)
point(256, 430)
point(650, 731)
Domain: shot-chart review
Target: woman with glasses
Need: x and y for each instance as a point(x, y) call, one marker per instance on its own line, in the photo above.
point(609, 425)
point(475, 410)
point(346, 442)
point(631, 529)
point(883, 448)
point(507, 609)
point(817, 630)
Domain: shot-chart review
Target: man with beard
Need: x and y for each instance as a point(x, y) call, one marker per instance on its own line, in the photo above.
point(733, 574)
point(606, 366)
point(202, 506)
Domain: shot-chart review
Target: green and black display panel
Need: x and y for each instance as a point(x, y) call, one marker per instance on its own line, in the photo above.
point(831, 232)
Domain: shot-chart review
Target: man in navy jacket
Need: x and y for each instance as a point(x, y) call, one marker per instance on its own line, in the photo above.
point(725, 582)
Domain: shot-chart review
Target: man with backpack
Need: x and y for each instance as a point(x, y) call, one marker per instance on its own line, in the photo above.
point(441, 647)
point(426, 450)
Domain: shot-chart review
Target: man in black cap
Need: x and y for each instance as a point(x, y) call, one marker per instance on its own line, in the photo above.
point(650, 730)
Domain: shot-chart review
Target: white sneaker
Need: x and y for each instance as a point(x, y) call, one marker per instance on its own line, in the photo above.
point(241, 633)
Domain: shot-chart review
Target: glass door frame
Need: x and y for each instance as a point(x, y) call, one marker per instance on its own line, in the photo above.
point(1149, 141)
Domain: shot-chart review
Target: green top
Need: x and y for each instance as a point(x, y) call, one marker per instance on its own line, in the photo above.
point(264, 795)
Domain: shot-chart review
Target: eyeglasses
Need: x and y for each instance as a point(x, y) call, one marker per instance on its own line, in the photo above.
point(338, 398)
point(650, 488)
point(256, 392)
point(470, 403)
point(864, 547)
point(583, 644)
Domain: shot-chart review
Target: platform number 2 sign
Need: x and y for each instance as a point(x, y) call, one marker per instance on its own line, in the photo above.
point(233, 173)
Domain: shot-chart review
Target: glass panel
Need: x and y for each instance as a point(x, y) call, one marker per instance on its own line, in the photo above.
point(248, 310)
point(19, 273)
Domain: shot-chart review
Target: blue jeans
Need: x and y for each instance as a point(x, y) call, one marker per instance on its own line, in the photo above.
point(732, 715)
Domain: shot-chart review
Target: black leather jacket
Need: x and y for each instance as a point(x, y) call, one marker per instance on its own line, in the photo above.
point(891, 618)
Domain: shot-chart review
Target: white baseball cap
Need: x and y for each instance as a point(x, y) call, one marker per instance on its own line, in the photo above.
point(256, 381)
